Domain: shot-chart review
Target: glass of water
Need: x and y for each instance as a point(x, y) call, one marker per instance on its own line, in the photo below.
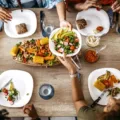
point(48, 28)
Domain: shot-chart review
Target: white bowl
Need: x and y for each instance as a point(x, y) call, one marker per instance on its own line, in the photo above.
point(52, 44)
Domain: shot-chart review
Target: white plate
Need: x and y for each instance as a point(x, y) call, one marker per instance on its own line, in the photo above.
point(94, 19)
point(94, 92)
point(52, 45)
point(22, 81)
point(27, 16)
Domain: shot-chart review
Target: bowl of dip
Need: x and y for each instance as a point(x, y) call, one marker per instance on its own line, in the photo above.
point(92, 41)
point(91, 56)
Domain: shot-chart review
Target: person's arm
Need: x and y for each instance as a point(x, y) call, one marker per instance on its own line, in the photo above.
point(77, 94)
point(87, 4)
point(61, 10)
point(3, 114)
point(31, 111)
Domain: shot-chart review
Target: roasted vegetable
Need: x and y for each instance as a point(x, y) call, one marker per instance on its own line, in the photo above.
point(44, 41)
point(114, 92)
point(35, 51)
point(38, 59)
point(99, 85)
point(105, 81)
point(14, 50)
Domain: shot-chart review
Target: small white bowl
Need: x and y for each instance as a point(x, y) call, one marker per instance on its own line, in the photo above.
point(52, 44)
point(90, 41)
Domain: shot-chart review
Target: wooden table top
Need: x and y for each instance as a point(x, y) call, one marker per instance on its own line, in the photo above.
point(61, 104)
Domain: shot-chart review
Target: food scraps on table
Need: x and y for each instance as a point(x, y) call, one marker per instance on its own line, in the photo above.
point(98, 29)
point(66, 41)
point(11, 94)
point(91, 56)
point(81, 23)
point(34, 52)
point(21, 28)
point(107, 81)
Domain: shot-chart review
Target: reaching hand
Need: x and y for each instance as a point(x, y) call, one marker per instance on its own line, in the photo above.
point(5, 14)
point(65, 24)
point(67, 62)
point(116, 6)
point(30, 110)
point(87, 4)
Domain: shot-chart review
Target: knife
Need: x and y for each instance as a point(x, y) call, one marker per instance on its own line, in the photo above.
point(42, 16)
point(1, 25)
point(6, 84)
point(99, 98)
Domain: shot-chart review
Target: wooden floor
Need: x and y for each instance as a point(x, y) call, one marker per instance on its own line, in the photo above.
point(48, 118)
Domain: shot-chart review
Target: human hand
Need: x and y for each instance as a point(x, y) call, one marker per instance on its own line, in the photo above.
point(116, 6)
point(5, 15)
point(31, 111)
point(3, 115)
point(67, 62)
point(88, 4)
point(65, 23)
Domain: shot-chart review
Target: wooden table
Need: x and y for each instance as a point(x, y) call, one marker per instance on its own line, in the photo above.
point(61, 104)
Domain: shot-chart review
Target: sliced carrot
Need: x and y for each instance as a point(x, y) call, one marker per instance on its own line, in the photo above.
point(43, 51)
point(31, 50)
point(37, 43)
point(21, 48)
point(49, 57)
point(111, 82)
point(40, 54)
point(114, 79)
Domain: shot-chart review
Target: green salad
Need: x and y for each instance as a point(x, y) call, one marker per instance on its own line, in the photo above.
point(65, 41)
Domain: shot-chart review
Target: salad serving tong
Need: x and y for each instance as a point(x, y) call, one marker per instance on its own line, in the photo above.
point(78, 63)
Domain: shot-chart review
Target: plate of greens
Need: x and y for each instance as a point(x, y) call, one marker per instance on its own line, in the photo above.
point(63, 40)
point(16, 88)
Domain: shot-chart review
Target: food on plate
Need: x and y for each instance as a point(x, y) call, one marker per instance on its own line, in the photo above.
point(11, 93)
point(81, 23)
point(114, 92)
point(34, 52)
point(65, 41)
point(98, 29)
point(21, 28)
point(91, 56)
point(99, 85)
point(92, 41)
point(106, 81)
point(14, 51)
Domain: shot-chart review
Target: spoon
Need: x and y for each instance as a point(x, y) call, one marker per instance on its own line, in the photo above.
point(118, 24)
point(101, 49)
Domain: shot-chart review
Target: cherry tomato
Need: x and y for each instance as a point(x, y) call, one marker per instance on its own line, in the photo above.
point(9, 98)
point(72, 47)
point(4, 90)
